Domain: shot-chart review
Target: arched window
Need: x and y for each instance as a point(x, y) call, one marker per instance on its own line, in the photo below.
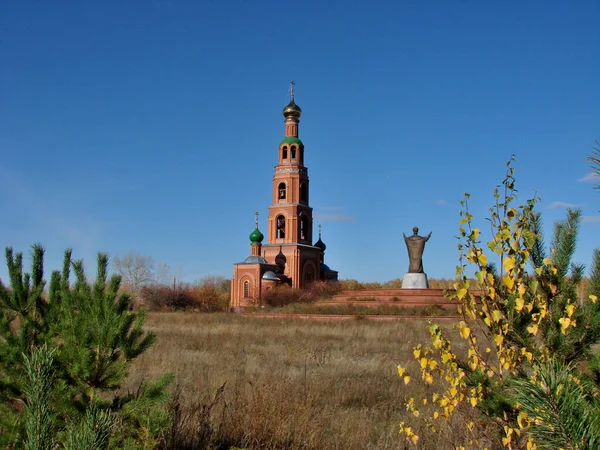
point(280, 222)
point(281, 191)
point(246, 289)
point(293, 152)
point(309, 277)
point(303, 193)
point(284, 153)
point(309, 274)
point(303, 227)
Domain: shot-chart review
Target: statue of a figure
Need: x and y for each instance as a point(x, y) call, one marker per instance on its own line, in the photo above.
point(415, 245)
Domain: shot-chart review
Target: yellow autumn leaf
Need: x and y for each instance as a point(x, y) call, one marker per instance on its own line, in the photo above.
point(465, 332)
point(533, 329)
point(498, 339)
point(593, 298)
point(406, 379)
point(508, 263)
point(509, 282)
point(496, 315)
point(547, 261)
point(564, 323)
point(479, 275)
point(423, 362)
point(522, 419)
point(401, 371)
point(482, 259)
point(519, 303)
point(461, 293)
point(570, 309)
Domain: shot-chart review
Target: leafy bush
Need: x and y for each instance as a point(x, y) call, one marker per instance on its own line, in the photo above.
point(529, 339)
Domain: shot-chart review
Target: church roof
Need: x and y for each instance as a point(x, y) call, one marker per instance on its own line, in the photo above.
point(292, 140)
point(270, 275)
point(255, 260)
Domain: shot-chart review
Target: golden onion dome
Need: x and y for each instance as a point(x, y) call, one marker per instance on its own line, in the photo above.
point(292, 110)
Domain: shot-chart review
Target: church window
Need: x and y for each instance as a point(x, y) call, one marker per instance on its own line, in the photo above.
point(246, 289)
point(281, 191)
point(303, 193)
point(284, 153)
point(280, 222)
point(293, 152)
point(304, 227)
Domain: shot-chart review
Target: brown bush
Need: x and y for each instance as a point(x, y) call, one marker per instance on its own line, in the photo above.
point(323, 290)
point(207, 298)
point(284, 295)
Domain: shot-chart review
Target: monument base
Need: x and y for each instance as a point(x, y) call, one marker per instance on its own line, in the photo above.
point(415, 281)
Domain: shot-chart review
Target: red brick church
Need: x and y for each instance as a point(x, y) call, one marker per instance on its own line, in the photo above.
point(289, 257)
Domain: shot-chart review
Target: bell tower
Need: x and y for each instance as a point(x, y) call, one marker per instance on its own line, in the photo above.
point(290, 217)
point(290, 222)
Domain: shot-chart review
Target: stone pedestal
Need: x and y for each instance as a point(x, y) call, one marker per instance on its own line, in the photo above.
point(415, 281)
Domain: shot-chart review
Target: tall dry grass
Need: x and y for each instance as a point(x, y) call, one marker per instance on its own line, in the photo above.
point(284, 383)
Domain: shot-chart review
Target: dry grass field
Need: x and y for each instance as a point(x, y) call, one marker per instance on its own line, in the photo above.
point(284, 383)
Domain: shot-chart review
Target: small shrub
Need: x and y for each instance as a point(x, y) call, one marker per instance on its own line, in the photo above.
point(284, 295)
point(323, 289)
point(205, 298)
point(161, 298)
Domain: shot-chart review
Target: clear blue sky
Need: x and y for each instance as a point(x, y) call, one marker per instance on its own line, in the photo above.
point(153, 125)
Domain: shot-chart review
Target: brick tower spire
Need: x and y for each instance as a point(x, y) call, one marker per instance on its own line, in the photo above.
point(290, 216)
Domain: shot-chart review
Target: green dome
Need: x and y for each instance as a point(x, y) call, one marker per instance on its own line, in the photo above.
point(292, 140)
point(256, 237)
point(292, 110)
point(320, 244)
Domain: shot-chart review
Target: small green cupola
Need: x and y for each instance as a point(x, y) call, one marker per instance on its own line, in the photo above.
point(256, 237)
